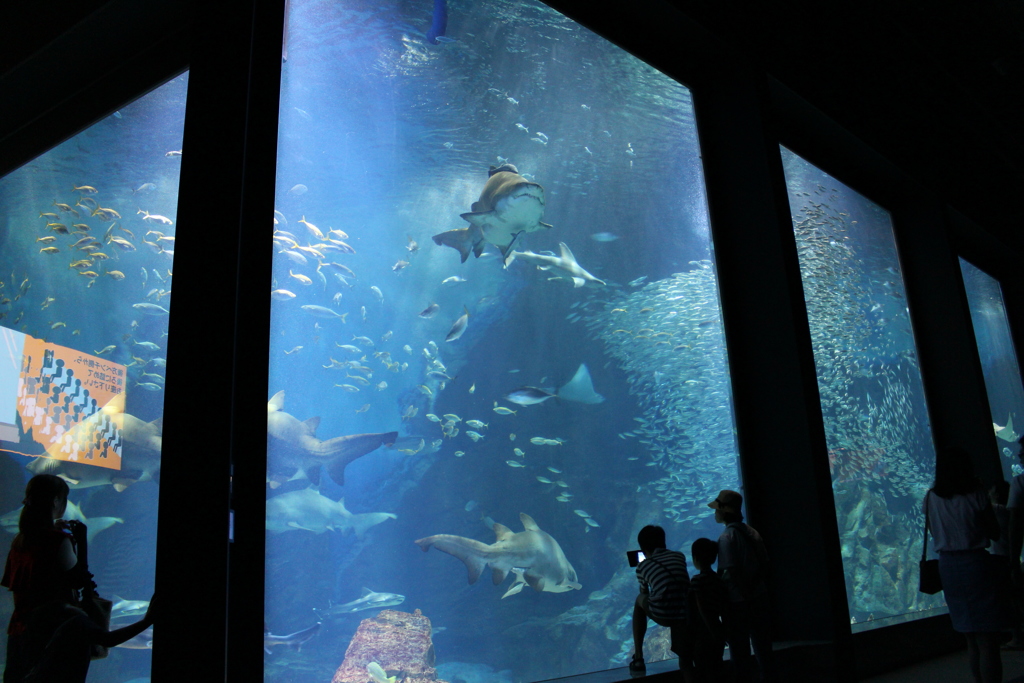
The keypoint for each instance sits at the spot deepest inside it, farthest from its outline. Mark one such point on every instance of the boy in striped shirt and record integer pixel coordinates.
(664, 597)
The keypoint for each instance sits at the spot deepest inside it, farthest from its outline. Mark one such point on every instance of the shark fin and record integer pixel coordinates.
(578, 282)
(366, 591)
(313, 474)
(296, 525)
(566, 253)
(528, 522)
(121, 484)
(470, 551)
(159, 424)
(514, 589)
(463, 240)
(535, 582)
(478, 248)
(502, 531)
(311, 424)
(547, 226)
(498, 575)
(580, 388)
(277, 402)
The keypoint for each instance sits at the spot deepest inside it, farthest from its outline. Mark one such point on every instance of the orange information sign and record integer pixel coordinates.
(72, 403)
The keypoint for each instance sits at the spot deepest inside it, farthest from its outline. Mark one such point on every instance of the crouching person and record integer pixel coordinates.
(664, 597)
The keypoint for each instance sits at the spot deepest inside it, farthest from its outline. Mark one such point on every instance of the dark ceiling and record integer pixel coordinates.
(937, 87)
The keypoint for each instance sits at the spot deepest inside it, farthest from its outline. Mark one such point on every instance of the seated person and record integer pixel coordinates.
(664, 588)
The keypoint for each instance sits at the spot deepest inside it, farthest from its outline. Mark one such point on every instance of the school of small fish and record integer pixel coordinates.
(105, 246)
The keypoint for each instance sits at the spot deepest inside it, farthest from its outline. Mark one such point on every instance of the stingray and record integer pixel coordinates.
(509, 206)
(293, 443)
(579, 389)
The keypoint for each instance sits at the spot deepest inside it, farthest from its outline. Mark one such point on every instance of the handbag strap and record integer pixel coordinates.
(924, 546)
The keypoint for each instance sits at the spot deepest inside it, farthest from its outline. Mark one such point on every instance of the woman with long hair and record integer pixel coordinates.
(50, 637)
(963, 524)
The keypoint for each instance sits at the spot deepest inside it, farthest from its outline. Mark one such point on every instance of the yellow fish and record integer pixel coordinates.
(301, 278)
(49, 250)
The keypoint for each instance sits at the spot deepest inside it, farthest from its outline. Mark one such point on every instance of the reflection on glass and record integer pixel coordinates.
(998, 362)
(87, 234)
(513, 372)
(876, 421)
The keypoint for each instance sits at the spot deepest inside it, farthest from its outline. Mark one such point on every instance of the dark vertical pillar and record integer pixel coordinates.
(953, 380)
(781, 434)
(211, 591)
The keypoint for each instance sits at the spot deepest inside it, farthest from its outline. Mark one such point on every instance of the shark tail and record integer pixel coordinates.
(464, 240)
(345, 449)
(473, 553)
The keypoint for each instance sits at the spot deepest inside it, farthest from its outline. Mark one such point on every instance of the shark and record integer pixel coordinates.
(564, 262)
(579, 389)
(367, 600)
(143, 641)
(140, 455)
(308, 510)
(509, 206)
(543, 565)
(128, 608)
(292, 443)
(94, 525)
(293, 640)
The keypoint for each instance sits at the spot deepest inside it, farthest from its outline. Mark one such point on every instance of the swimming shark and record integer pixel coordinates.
(140, 450)
(293, 443)
(94, 524)
(293, 640)
(128, 608)
(367, 600)
(544, 565)
(564, 262)
(143, 641)
(509, 206)
(308, 510)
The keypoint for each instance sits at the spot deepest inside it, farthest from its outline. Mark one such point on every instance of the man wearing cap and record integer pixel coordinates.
(743, 566)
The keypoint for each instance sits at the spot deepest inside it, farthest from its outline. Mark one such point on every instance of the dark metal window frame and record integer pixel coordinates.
(212, 591)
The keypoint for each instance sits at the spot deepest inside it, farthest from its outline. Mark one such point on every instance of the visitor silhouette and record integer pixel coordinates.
(743, 566)
(975, 584)
(664, 595)
(51, 637)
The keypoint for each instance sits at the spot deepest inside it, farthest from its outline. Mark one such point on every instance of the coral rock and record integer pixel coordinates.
(400, 642)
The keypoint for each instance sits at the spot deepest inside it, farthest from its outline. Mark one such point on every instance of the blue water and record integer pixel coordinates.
(881, 455)
(123, 156)
(388, 139)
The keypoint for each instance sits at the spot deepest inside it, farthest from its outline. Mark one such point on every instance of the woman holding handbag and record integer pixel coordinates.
(962, 524)
(50, 636)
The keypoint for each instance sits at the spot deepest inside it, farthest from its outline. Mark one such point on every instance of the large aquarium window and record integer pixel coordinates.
(998, 362)
(496, 344)
(86, 263)
(880, 449)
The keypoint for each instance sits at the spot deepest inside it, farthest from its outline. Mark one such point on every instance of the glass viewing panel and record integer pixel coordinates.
(522, 422)
(880, 448)
(998, 363)
(86, 255)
